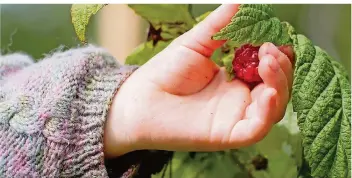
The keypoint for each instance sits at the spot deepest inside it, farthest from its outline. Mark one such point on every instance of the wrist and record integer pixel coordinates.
(127, 127)
(117, 140)
(118, 137)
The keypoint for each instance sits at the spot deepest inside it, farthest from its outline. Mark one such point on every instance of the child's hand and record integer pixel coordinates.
(180, 100)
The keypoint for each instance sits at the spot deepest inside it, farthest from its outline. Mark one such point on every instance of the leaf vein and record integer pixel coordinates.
(310, 67)
(249, 26)
(258, 10)
(317, 99)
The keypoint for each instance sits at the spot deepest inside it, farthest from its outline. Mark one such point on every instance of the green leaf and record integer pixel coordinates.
(165, 13)
(217, 57)
(290, 120)
(145, 51)
(203, 16)
(255, 24)
(80, 16)
(322, 99)
(304, 171)
(171, 31)
(290, 123)
(227, 60)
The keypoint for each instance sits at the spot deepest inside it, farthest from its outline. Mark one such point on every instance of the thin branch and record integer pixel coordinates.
(164, 171)
(170, 172)
(241, 165)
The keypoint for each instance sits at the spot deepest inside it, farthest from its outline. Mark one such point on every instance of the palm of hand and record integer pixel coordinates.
(191, 106)
(180, 100)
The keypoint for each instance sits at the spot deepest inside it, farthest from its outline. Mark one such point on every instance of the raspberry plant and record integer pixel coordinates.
(313, 140)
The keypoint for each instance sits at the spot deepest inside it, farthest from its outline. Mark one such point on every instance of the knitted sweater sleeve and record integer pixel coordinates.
(52, 113)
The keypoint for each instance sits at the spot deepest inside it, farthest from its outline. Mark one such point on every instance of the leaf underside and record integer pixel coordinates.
(167, 21)
(227, 60)
(203, 16)
(157, 14)
(321, 97)
(254, 24)
(144, 52)
(80, 16)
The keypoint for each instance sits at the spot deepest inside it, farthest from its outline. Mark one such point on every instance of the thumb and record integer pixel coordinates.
(199, 38)
(184, 67)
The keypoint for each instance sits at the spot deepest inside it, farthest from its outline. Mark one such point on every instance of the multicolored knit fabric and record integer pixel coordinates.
(52, 113)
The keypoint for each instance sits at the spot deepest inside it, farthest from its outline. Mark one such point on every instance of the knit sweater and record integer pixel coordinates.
(52, 112)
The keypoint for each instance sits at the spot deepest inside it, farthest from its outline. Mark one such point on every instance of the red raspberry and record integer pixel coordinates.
(245, 64)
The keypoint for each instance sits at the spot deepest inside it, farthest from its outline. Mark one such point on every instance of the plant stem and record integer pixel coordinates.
(170, 171)
(241, 165)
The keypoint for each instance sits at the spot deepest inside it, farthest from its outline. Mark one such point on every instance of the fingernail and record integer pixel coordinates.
(272, 46)
(273, 64)
(269, 47)
(266, 48)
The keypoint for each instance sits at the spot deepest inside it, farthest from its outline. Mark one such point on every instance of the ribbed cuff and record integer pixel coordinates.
(86, 158)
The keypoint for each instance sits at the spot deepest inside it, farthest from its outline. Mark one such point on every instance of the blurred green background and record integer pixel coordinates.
(38, 29)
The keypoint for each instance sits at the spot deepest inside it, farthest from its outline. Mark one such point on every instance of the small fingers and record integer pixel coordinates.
(258, 120)
(283, 55)
(273, 76)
